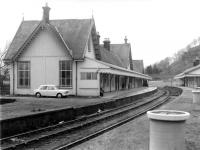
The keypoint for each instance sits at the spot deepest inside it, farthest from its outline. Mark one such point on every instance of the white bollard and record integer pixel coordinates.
(167, 129)
(196, 96)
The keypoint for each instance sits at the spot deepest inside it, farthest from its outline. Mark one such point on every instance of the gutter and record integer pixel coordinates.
(81, 60)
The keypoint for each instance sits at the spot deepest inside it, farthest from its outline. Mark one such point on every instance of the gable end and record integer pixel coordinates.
(34, 34)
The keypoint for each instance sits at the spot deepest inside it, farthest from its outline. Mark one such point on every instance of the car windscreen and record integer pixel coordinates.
(43, 87)
(57, 87)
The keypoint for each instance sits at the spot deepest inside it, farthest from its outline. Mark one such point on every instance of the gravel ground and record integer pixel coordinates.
(135, 134)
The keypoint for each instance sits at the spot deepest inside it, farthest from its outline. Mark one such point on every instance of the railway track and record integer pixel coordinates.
(69, 134)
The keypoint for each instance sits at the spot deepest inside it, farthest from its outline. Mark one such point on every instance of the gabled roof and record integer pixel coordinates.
(74, 32)
(24, 31)
(123, 51)
(138, 66)
(121, 54)
(110, 57)
(186, 72)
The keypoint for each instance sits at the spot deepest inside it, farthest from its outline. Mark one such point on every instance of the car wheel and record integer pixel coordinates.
(38, 94)
(59, 95)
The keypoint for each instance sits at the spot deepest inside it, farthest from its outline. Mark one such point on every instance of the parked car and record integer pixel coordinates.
(50, 90)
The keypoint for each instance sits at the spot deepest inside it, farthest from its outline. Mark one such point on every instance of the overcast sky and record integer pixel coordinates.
(155, 28)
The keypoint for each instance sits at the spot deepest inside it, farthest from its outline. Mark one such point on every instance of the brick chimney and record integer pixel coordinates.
(46, 10)
(196, 61)
(106, 44)
(125, 40)
(98, 38)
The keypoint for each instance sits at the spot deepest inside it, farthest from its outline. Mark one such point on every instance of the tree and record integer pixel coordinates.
(155, 69)
(148, 69)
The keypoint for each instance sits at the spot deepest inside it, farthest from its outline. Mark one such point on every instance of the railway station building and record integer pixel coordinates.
(68, 53)
(191, 76)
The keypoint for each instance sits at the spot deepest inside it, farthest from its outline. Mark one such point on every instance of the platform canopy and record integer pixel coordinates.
(191, 72)
(123, 73)
(113, 69)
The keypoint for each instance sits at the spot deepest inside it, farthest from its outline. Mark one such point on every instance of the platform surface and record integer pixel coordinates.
(30, 105)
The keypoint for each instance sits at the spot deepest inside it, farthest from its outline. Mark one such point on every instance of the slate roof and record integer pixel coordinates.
(191, 69)
(110, 57)
(75, 33)
(24, 31)
(138, 66)
(123, 51)
(186, 72)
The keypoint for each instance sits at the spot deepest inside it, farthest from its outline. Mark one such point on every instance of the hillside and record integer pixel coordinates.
(171, 66)
(185, 61)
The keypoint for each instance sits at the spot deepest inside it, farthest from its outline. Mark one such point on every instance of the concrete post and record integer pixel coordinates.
(196, 95)
(167, 129)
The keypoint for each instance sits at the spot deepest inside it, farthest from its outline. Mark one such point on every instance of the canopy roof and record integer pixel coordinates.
(187, 73)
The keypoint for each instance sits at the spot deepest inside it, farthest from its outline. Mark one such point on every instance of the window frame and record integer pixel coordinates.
(70, 71)
(85, 75)
(29, 75)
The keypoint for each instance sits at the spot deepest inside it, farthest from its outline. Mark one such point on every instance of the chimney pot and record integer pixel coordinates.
(196, 61)
(125, 40)
(98, 38)
(106, 44)
(46, 10)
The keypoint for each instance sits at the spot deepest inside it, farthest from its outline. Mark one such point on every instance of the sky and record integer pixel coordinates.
(156, 29)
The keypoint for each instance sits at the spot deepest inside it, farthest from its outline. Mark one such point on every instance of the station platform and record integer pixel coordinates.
(30, 105)
(135, 134)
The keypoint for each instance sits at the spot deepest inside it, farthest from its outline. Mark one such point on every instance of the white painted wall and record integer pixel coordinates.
(44, 54)
(88, 87)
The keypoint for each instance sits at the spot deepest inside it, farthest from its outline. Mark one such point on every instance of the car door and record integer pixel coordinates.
(43, 90)
(51, 91)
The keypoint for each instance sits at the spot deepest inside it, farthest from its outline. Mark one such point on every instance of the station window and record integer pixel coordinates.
(23, 74)
(88, 76)
(65, 73)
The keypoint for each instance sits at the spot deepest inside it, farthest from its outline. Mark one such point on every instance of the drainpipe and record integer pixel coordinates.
(99, 82)
(110, 81)
(76, 78)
